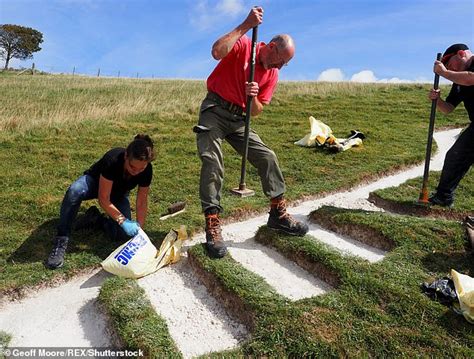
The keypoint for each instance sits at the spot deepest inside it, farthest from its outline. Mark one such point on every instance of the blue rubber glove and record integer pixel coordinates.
(130, 227)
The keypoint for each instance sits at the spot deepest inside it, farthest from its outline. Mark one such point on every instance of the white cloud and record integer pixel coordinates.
(204, 15)
(365, 76)
(395, 80)
(230, 7)
(331, 75)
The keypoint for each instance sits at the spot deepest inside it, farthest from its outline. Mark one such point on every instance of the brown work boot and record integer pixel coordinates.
(281, 220)
(214, 242)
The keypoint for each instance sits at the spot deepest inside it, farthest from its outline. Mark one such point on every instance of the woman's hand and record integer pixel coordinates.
(130, 227)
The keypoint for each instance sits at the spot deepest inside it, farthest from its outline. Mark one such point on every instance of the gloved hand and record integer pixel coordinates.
(130, 227)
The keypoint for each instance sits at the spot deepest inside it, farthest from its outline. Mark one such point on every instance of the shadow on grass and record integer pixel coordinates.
(39, 244)
(414, 208)
(444, 262)
(26, 266)
(456, 324)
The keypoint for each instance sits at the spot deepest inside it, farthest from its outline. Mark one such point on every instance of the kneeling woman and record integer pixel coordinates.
(110, 180)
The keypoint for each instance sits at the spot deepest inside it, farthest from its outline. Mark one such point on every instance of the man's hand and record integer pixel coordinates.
(224, 44)
(439, 68)
(434, 94)
(254, 18)
(251, 89)
(130, 227)
(443, 106)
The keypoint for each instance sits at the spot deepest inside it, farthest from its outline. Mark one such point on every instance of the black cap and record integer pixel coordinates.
(451, 51)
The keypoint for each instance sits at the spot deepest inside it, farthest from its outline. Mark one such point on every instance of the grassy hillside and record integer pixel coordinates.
(55, 127)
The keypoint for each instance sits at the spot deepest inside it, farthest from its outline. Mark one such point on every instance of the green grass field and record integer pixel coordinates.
(52, 128)
(55, 127)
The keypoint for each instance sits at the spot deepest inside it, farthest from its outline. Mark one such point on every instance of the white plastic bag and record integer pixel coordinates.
(139, 257)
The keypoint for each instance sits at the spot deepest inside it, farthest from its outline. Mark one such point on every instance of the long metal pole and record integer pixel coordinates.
(242, 185)
(424, 189)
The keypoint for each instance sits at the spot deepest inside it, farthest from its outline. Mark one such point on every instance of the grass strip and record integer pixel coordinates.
(426, 234)
(271, 315)
(5, 339)
(361, 233)
(245, 294)
(317, 258)
(135, 320)
(403, 199)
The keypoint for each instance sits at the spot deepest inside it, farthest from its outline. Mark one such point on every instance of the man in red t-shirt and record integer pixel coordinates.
(221, 117)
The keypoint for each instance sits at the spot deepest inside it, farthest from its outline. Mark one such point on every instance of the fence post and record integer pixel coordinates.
(33, 68)
(73, 71)
(98, 72)
(137, 75)
(118, 74)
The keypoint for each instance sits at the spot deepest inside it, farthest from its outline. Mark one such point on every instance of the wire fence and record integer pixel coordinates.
(84, 71)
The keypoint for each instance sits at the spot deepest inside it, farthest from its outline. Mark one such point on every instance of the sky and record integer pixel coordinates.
(336, 40)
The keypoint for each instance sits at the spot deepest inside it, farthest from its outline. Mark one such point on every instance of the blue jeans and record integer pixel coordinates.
(459, 159)
(83, 189)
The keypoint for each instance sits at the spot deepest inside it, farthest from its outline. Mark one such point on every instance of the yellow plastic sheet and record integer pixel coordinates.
(139, 257)
(465, 290)
(321, 134)
(318, 135)
(170, 249)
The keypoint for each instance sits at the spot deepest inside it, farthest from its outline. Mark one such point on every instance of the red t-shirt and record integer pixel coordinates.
(229, 77)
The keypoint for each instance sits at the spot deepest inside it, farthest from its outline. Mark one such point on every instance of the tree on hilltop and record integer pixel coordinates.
(18, 42)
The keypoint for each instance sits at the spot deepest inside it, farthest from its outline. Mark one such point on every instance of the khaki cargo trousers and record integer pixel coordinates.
(217, 124)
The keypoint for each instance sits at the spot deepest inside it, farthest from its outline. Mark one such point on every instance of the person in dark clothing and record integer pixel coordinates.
(109, 180)
(456, 65)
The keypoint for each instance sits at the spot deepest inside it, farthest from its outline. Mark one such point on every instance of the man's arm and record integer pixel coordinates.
(443, 106)
(257, 106)
(465, 78)
(224, 44)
